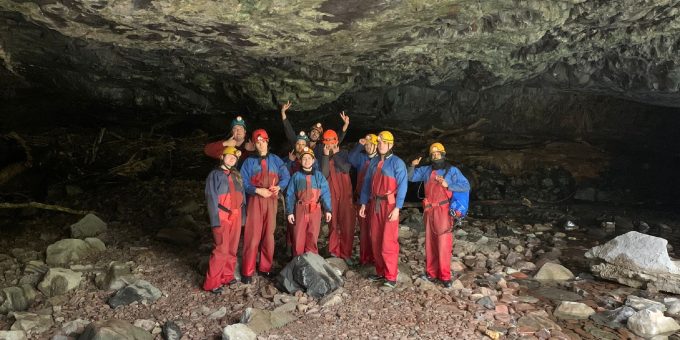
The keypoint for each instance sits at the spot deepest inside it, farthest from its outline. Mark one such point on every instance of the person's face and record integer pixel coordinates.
(334, 147)
(229, 160)
(261, 145)
(307, 161)
(435, 156)
(370, 148)
(314, 134)
(383, 147)
(300, 145)
(238, 132)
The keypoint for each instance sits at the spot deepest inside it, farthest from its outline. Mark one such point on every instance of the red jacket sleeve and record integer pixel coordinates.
(214, 150)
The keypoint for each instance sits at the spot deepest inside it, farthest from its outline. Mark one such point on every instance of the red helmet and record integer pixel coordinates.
(260, 133)
(330, 137)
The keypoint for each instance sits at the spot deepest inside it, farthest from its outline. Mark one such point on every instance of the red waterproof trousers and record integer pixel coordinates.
(438, 224)
(384, 233)
(341, 227)
(258, 235)
(365, 249)
(226, 238)
(307, 220)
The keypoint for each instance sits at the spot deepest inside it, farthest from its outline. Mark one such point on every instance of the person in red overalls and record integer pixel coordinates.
(224, 197)
(360, 157)
(446, 198)
(307, 191)
(384, 191)
(335, 167)
(237, 140)
(264, 175)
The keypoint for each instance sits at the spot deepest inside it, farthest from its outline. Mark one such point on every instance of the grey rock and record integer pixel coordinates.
(114, 330)
(338, 263)
(537, 320)
(486, 302)
(614, 319)
(138, 291)
(117, 276)
(556, 294)
(16, 298)
(218, 314)
(75, 327)
(553, 272)
(66, 251)
(311, 273)
(88, 226)
(238, 331)
(649, 322)
(259, 320)
(145, 324)
(31, 322)
(171, 331)
(25, 255)
(672, 306)
(58, 281)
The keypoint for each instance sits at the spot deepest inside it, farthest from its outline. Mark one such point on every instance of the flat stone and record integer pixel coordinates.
(75, 327)
(31, 322)
(573, 311)
(114, 329)
(218, 314)
(138, 291)
(259, 320)
(556, 294)
(536, 321)
(639, 303)
(13, 335)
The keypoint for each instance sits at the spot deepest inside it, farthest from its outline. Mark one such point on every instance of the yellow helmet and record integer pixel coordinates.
(437, 147)
(306, 151)
(386, 136)
(230, 150)
(371, 138)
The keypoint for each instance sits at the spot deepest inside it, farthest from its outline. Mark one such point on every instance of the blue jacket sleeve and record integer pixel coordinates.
(247, 173)
(457, 182)
(325, 192)
(354, 156)
(212, 186)
(402, 181)
(366, 187)
(419, 174)
(284, 174)
(290, 197)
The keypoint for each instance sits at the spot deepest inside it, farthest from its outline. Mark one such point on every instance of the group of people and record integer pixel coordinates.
(316, 183)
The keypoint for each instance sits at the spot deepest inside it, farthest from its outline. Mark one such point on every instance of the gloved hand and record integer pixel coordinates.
(455, 213)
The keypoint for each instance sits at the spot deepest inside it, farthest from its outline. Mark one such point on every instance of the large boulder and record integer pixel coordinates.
(311, 273)
(138, 291)
(114, 330)
(13, 335)
(67, 251)
(58, 281)
(88, 226)
(260, 320)
(16, 298)
(637, 260)
(648, 323)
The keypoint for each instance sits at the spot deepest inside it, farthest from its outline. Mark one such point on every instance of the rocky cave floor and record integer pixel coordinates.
(156, 227)
(415, 309)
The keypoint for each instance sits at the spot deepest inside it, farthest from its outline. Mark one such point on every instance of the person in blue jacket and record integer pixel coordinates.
(224, 198)
(383, 192)
(307, 191)
(264, 176)
(360, 158)
(447, 194)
